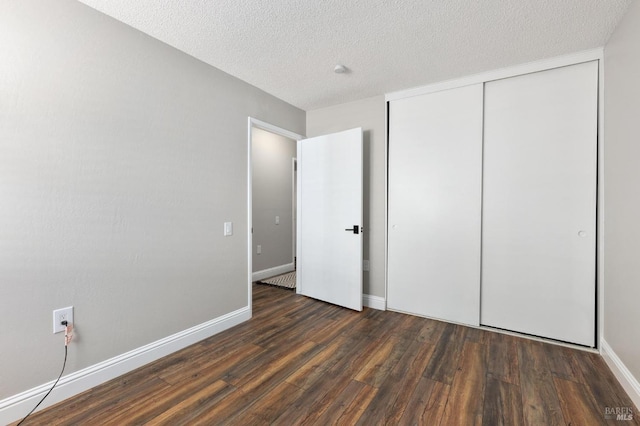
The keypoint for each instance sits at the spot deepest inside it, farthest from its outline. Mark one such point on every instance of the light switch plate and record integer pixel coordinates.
(228, 229)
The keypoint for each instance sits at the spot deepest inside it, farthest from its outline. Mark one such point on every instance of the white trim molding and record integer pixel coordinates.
(511, 71)
(272, 272)
(622, 373)
(17, 406)
(274, 129)
(374, 302)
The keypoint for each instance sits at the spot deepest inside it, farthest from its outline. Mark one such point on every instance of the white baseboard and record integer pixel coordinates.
(374, 302)
(17, 406)
(622, 373)
(271, 272)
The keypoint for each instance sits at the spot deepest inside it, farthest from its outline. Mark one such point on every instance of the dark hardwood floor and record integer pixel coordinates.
(300, 361)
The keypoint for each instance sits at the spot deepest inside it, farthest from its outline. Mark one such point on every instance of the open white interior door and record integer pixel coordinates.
(329, 237)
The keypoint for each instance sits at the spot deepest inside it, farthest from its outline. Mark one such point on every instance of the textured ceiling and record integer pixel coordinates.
(290, 47)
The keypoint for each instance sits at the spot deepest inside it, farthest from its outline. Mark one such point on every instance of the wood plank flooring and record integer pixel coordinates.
(303, 362)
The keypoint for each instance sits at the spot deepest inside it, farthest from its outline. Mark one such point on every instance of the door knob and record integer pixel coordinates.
(355, 229)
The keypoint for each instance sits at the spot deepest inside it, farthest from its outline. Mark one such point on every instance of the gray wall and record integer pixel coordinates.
(622, 197)
(120, 159)
(272, 184)
(370, 114)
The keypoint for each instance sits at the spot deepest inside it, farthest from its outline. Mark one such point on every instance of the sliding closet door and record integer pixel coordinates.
(539, 203)
(435, 170)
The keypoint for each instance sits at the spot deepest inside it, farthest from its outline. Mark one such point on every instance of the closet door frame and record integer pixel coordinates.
(560, 61)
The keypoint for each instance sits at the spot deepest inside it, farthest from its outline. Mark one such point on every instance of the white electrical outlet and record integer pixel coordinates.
(365, 265)
(277, 220)
(59, 315)
(259, 251)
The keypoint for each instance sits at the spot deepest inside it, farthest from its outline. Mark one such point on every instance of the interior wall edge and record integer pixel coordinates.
(600, 209)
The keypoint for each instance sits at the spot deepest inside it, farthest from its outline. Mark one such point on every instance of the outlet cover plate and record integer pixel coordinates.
(59, 315)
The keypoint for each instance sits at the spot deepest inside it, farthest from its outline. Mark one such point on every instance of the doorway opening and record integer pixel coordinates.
(271, 200)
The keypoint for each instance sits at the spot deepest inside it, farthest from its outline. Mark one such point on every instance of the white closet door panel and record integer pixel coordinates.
(435, 170)
(539, 203)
